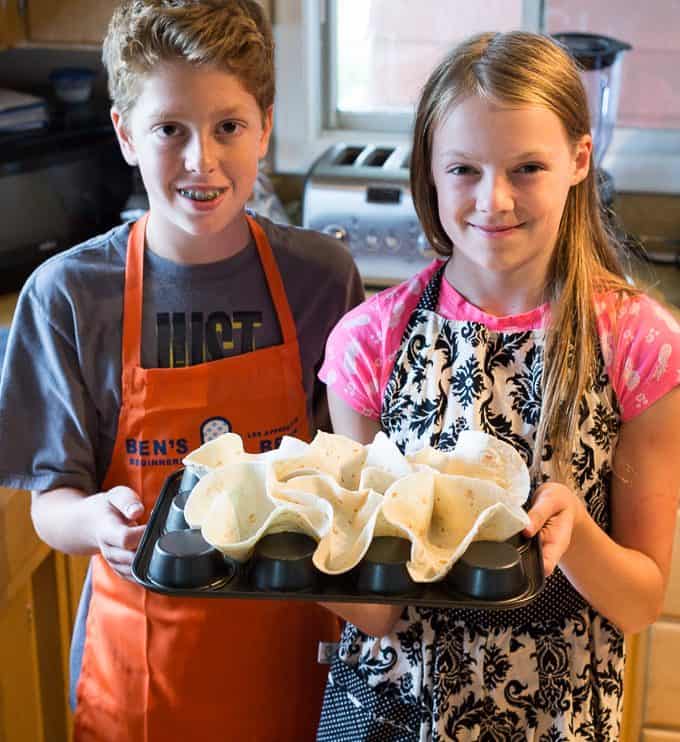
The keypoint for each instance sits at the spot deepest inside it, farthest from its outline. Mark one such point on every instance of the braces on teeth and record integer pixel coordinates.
(200, 195)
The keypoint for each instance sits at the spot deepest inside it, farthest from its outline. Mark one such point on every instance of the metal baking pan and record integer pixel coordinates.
(175, 560)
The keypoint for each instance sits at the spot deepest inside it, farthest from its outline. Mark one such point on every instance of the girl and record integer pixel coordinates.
(528, 330)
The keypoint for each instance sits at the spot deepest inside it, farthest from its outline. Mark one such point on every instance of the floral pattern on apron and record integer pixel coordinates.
(551, 671)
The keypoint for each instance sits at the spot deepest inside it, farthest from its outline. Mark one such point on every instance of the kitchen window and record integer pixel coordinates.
(350, 71)
(380, 53)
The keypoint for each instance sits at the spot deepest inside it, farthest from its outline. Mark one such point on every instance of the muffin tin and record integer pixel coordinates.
(175, 560)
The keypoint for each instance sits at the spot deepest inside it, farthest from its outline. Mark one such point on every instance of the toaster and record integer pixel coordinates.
(360, 194)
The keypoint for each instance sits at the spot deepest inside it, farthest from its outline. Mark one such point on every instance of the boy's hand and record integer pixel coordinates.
(116, 531)
(554, 512)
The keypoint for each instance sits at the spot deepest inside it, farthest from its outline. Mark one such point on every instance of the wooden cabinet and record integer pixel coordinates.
(61, 22)
(21, 554)
(20, 711)
(659, 736)
(39, 590)
(653, 690)
(70, 22)
(11, 24)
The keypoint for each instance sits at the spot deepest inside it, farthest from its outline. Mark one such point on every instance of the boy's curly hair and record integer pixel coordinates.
(234, 35)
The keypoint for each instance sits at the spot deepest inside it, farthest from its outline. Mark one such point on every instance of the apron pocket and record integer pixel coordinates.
(353, 712)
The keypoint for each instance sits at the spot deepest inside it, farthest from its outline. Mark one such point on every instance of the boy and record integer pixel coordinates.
(141, 340)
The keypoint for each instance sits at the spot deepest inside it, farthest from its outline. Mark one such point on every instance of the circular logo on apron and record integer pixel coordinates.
(213, 428)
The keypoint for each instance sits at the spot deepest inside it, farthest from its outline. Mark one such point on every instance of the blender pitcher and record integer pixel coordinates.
(600, 60)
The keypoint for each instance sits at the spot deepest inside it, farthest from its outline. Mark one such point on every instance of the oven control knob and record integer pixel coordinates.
(337, 231)
(392, 243)
(372, 241)
(424, 249)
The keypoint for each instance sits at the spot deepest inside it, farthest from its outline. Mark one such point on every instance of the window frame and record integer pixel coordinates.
(306, 122)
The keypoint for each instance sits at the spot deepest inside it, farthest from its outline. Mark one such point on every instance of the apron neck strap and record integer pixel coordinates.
(274, 281)
(429, 299)
(133, 295)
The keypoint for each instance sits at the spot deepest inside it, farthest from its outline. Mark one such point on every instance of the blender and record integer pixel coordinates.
(600, 60)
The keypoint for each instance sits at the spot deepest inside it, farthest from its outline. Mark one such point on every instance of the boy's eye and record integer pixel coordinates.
(167, 130)
(529, 168)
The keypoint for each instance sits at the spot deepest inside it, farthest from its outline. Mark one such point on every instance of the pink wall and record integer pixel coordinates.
(405, 41)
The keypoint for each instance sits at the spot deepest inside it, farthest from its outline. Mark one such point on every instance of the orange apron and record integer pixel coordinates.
(159, 668)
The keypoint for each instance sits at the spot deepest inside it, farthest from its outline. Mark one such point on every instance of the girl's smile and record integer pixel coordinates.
(494, 231)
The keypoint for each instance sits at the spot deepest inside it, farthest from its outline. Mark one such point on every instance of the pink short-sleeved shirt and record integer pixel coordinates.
(640, 343)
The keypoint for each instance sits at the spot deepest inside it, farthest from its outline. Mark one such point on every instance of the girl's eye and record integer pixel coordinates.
(530, 168)
(229, 127)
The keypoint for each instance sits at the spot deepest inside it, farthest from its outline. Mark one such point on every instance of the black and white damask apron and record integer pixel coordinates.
(548, 672)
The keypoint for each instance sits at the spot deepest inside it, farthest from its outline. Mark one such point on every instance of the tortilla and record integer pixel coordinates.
(228, 448)
(384, 454)
(353, 513)
(442, 514)
(481, 456)
(335, 455)
(344, 494)
(233, 509)
(218, 452)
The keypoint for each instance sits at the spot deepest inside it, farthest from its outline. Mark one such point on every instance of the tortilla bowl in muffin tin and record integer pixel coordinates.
(174, 559)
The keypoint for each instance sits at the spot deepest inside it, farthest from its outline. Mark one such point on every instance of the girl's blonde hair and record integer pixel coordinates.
(525, 69)
(232, 34)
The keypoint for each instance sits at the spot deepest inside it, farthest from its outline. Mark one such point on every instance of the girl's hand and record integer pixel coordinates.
(114, 515)
(555, 511)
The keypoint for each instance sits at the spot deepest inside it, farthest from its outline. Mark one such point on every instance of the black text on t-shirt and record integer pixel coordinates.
(189, 339)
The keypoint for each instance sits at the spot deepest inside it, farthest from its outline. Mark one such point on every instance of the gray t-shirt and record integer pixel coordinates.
(60, 390)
